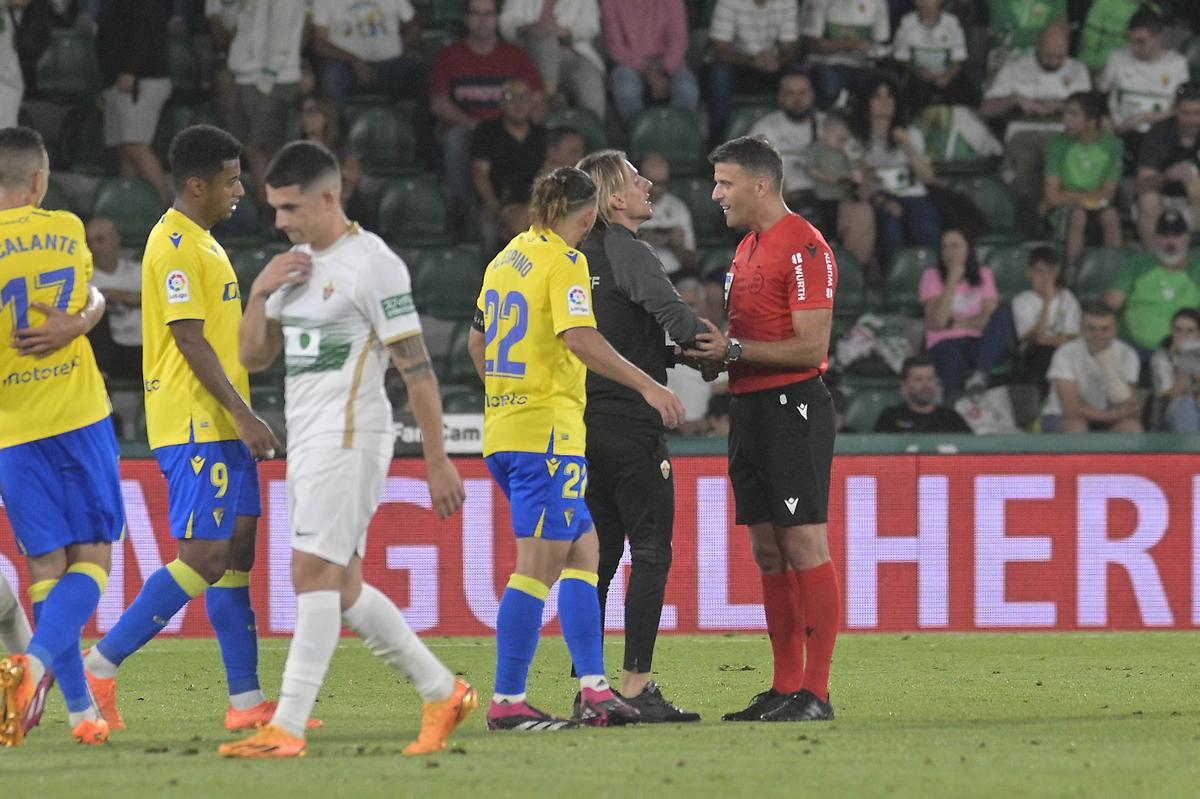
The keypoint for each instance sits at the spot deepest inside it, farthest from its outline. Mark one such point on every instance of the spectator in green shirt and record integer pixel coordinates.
(1154, 285)
(1104, 30)
(1083, 169)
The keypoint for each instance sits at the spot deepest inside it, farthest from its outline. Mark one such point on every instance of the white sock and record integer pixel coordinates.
(247, 699)
(509, 699)
(74, 719)
(318, 626)
(387, 635)
(99, 666)
(595, 682)
(15, 632)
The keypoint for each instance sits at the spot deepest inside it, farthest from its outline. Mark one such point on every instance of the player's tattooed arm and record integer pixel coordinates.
(412, 359)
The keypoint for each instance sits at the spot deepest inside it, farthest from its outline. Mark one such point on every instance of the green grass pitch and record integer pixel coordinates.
(1057, 715)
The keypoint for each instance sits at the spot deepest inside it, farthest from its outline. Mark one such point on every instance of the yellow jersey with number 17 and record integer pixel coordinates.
(44, 258)
(186, 275)
(534, 386)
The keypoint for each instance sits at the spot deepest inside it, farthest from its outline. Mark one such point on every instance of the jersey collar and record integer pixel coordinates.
(180, 219)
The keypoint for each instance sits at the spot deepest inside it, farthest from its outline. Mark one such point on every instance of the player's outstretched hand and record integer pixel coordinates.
(445, 487)
(284, 269)
(667, 403)
(256, 434)
(59, 330)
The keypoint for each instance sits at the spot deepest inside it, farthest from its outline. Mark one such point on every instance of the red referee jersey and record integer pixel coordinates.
(788, 267)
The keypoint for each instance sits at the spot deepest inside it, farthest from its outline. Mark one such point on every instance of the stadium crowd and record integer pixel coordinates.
(1012, 186)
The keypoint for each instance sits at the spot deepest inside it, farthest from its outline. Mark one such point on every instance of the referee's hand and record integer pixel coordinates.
(669, 406)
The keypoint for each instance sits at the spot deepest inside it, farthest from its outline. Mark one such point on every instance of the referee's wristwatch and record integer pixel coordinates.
(733, 350)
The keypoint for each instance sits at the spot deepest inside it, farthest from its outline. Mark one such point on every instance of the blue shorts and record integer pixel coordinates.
(208, 486)
(545, 492)
(64, 490)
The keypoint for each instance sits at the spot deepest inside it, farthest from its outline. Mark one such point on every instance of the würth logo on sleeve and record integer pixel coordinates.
(828, 276)
(798, 265)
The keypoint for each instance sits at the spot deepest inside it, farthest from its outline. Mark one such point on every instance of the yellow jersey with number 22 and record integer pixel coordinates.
(534, 386)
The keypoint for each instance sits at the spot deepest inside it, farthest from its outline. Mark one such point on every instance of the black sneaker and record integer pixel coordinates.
(524, 717)
(656, 709)
(760, 704)
(604, 709)
(801, 706)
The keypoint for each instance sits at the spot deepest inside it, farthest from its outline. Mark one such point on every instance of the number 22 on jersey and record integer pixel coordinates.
(510, 312)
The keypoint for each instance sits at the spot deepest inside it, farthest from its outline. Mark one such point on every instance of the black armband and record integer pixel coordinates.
(669, 355)
(477, 321)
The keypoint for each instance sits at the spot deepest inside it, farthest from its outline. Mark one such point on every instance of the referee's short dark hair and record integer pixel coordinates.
(201, 151)
(22, 152)
(301, 163)
(754, 154)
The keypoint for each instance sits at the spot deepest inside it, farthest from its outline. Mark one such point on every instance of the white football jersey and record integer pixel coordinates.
(336, 328)
(1140, 87)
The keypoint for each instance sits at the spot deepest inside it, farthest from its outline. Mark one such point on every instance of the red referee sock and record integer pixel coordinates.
(780, 599)
(823, 615)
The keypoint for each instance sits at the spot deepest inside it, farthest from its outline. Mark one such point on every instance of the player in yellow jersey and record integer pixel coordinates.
(58, 452)
(532, 341)
(201, 429)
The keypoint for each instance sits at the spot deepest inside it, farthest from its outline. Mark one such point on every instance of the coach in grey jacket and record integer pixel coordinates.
(631, 490)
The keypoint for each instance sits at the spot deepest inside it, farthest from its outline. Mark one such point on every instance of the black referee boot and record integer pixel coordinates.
(657, 709)
(801, 706)
(760, 704)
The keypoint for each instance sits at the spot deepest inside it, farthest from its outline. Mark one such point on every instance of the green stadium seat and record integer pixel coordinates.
(864, 407)
(56, 198)
(174, 118)
(1097, 270)
(904, 278)
(133, 205)
(248, 262)
(459, 368)
(993, 198)
(446, 282)
(182, 68)
(463, 400)
(583, 120)
(1008, 267)
(1191, 51)
(412, 212)
(68, 70)
(708, 221)
(447, 14)
(851, 298)
(714, 263)
(383, 138)
(82, 143)
(743, 117)
(433, 41)
(674, 132)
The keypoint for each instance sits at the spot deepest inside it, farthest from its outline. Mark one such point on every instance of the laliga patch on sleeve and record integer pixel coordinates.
(577, 302)
(397, 305)
(178, 289)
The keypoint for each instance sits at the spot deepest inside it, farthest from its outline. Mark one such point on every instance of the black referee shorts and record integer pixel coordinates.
(781, 454)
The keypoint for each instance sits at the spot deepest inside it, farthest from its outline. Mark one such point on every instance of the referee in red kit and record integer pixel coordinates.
(779, 297)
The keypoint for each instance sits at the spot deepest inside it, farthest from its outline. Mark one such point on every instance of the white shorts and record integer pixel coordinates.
(130, 122)
(332, 496)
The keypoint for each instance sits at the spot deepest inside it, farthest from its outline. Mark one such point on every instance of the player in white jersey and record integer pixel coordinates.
(338, 305)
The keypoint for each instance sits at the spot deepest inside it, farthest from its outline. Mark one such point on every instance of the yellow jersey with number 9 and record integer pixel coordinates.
(187, 275)
(44, 258)
(534, 386)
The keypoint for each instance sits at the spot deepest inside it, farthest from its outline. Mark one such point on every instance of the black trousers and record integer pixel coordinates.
(631, 493)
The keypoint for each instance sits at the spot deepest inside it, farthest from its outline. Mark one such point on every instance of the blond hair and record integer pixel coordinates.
(607, 169)
(558, 195)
